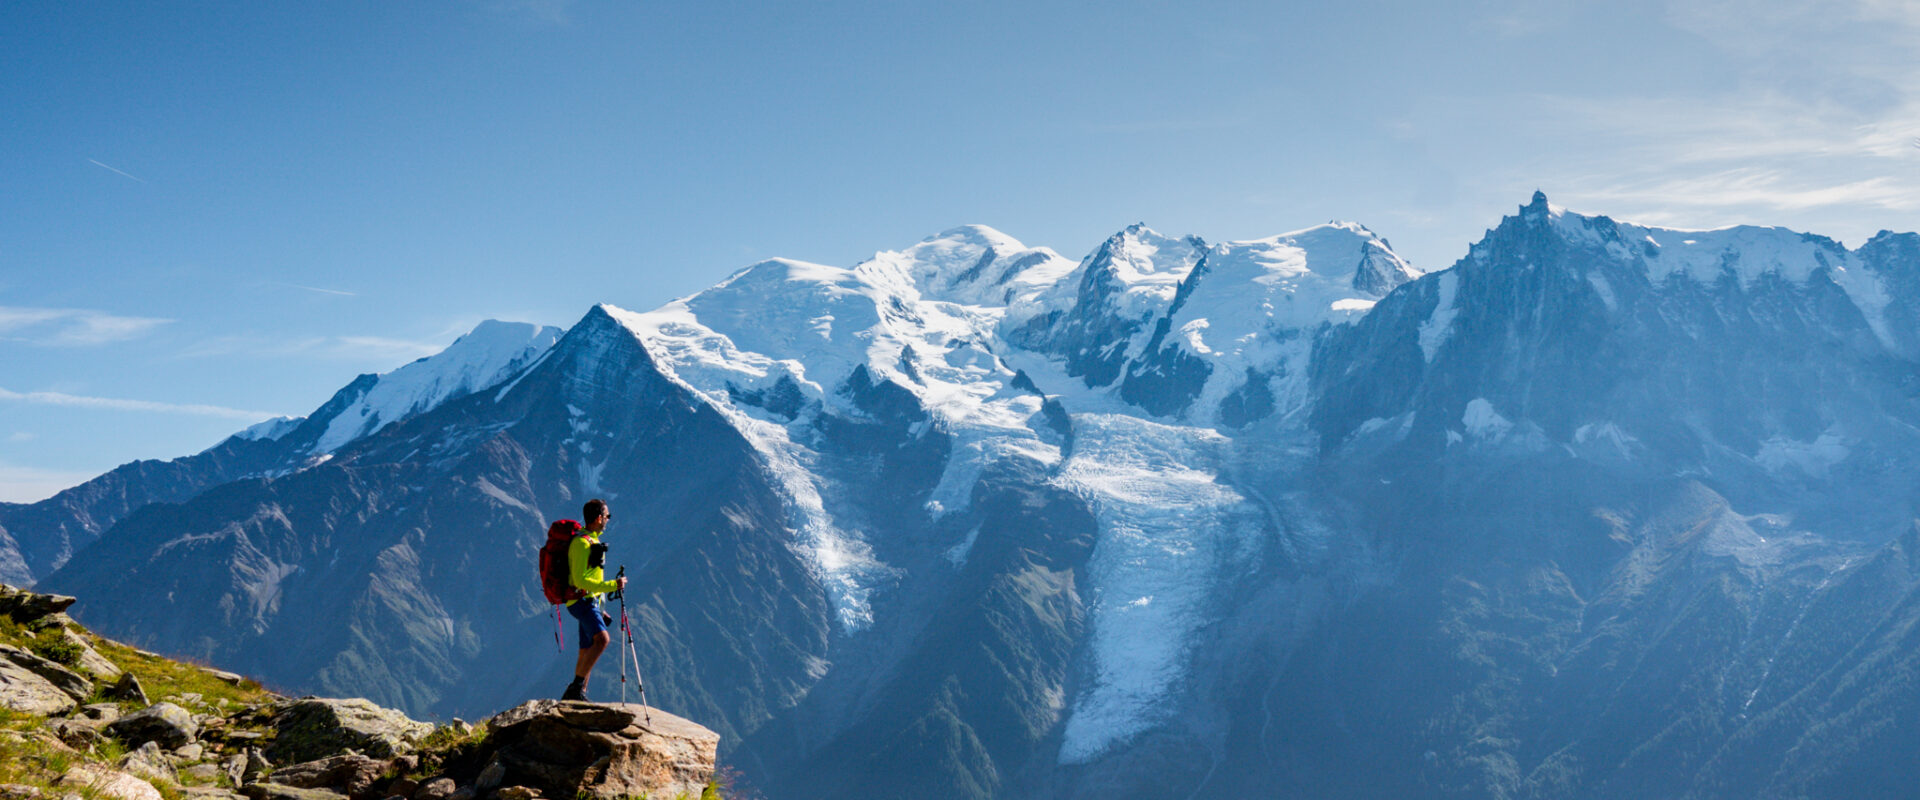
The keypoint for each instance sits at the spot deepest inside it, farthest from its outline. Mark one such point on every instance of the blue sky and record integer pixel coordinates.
(211, 212)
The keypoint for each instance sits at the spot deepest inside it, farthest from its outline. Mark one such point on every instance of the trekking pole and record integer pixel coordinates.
(626, 629)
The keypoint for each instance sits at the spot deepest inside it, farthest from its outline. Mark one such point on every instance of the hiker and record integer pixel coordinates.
(586, 556)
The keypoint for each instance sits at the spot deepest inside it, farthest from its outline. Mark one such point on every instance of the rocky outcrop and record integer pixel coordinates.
(25, 606)
(312, 728)
(355, 775)
(67, 680)
(165, 723)
(604, 751)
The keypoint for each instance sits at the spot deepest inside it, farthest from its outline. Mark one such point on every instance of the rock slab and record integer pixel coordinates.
(108, 783)
(313, 728)
(352, 773)
(22, 690)
(602, 751)
(170, 725)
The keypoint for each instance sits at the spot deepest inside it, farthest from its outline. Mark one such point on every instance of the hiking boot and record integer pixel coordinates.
(577, 690)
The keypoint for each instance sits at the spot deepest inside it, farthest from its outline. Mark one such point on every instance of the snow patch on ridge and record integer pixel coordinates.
(489, 354)
(1814, 459)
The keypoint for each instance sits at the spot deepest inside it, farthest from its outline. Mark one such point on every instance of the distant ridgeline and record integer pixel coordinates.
(1600, 510)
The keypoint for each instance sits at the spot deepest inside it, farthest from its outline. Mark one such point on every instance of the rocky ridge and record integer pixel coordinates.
(78, 722)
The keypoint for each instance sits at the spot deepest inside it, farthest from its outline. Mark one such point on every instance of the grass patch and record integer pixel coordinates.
(162, 676)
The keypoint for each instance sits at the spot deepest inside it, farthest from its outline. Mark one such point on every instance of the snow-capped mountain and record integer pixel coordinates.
(63, 524)
(1602, 509)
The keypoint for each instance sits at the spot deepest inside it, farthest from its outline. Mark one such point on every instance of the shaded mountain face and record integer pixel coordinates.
(1602, 510)
(52, 530)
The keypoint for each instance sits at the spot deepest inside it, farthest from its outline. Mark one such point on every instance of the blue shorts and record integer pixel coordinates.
(593, 621)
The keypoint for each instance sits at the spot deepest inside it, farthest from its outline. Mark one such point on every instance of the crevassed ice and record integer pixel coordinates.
(1439, 325)
(1168, 530)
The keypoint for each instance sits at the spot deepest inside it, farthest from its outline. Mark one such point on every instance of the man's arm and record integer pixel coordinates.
(583, 576)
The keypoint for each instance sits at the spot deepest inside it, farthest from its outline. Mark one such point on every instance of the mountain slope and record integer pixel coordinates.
(1599, 511)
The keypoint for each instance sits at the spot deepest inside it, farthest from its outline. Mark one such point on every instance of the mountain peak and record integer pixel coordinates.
(488, 354)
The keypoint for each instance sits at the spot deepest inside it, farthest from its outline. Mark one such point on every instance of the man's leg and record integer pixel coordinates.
(593, 640)
(583, 666)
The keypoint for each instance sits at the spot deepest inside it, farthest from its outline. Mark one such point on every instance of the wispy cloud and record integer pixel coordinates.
(342, 348)
(116, 171)
(72, 326)
(20, 484)
(123, 404)
(315, 289)
(1764, 188)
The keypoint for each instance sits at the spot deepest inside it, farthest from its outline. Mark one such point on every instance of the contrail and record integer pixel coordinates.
(118, 171)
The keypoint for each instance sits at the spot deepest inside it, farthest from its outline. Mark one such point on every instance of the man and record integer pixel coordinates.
(586, 560)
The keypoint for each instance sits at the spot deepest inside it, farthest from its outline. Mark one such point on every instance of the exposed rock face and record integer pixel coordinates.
(166, 723)
(351, 772)
(274, 791)
(22, 690)
(605, 751)
(25, 606)
(108, 783)
(148, 762)
(313, 728)
(70, 682)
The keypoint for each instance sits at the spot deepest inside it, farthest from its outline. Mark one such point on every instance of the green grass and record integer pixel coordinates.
(162, 677)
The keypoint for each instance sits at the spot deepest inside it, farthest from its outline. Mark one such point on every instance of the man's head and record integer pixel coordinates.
(596, 514)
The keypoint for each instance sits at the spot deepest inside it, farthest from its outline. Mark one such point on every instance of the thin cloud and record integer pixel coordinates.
(78, 327)
(123, 404)
(117, 171)
(316, 289)
(399, 348)
(1772, 189)
(341, 348)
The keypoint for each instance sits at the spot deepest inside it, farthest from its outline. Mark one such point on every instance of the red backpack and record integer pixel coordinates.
(556, 577)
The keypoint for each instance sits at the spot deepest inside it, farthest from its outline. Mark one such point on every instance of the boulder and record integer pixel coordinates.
(166, 723)
(20, 791)
(602, 751)
(190, 752)
(235, 768)
(91, 662)
(103, 782)
(257, 765)
(313, 728)
(351, 774)
(436, 789)
(69, 681)
(79, 734)
(148, 762)
(515, 793)
(129, 688)
(100, 712)
(202, 773)
(207, 793)
(22, 690)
